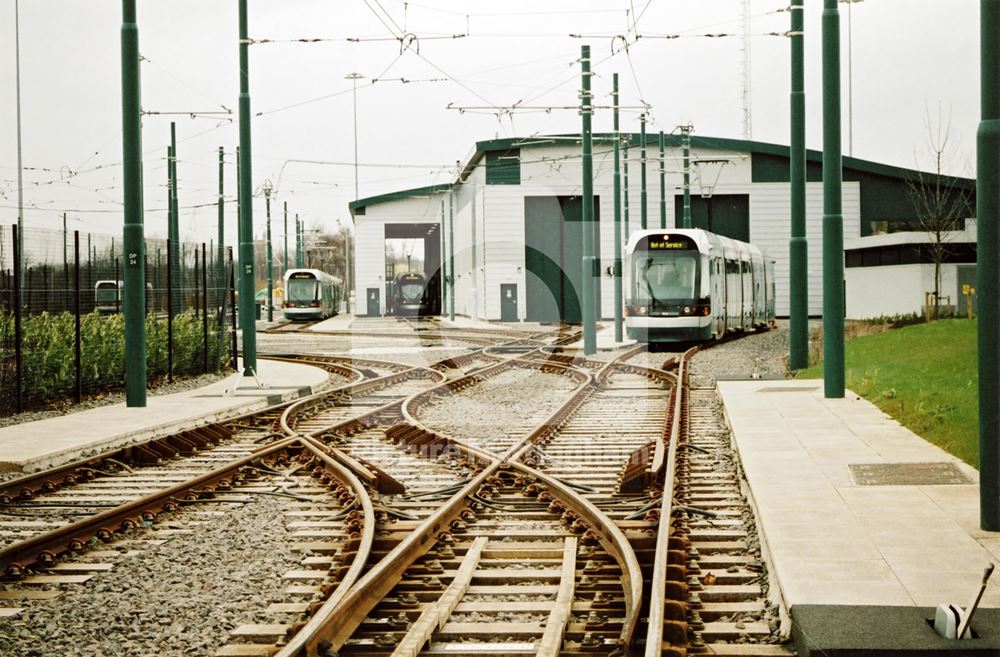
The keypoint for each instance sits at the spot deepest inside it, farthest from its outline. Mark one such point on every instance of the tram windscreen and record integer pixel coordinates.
(302, 290)
(411, 291)
(662, 277)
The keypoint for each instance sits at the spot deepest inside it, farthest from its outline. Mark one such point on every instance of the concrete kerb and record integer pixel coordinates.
(775, 592)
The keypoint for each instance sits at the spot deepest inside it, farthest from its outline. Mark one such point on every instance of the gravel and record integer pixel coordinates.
(764, 353)
(179, 599)
(494, 413)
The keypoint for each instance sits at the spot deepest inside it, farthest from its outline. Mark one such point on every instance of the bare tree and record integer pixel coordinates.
(941, 202)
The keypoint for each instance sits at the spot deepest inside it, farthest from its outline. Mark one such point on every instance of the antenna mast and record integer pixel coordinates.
(745, 51)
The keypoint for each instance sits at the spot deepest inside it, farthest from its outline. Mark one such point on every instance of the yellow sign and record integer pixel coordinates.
(966, 289)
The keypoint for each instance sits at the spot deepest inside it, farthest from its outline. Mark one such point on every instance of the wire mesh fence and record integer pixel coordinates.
(62, 324)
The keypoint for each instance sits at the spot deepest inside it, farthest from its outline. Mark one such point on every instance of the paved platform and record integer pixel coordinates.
(35, 445)
(339, 322)
(842, 524)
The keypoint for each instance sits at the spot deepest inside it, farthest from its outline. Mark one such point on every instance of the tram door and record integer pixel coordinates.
(508, 302)
(373, 301)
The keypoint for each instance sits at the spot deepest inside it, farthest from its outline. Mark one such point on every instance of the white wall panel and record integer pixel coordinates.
(770, 229)
(369, 262)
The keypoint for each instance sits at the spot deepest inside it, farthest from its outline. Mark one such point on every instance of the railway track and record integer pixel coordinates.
(517, 532)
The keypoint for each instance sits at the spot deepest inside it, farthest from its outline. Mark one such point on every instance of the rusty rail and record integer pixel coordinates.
(661, 604)
(46, 547)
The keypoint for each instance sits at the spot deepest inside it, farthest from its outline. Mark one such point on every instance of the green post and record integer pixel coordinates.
(220, 267)
(618, 215)
(686, 146)
(451, 252)
(286, 236)
(247, 322)
(798, 288)
(444, 263)
(988, 265)
(663, 182)
(589, 326)
(643, 206)
(833, 219)
(270, 272)
(173, 228)
(625, 193)
(134, 240)
(300, 243)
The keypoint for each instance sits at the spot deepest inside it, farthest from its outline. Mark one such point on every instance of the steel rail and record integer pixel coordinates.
(349, 361)
(361, 556)
(46, 547)
(329, 630)
(409, 335)
(352, 374)
(444, 440)
(612, 539)
(361, 386)
(69, 474)
(658, 582)
(609, 535)
(669, 438)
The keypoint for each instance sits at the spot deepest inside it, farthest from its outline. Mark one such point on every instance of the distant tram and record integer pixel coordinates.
(411, 294)
(692, 285)
(311, 294)
(108, 296)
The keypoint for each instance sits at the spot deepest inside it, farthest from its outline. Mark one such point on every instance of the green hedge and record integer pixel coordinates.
(48, 352)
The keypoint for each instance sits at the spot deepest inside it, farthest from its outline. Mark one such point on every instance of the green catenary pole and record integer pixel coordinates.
(618, 215)
(988, 267)
(173, 222)
(135, 276)
(589, 327)
(444, 261)
(798, 288)
(451, 253)
(220, 267)
(686, 146)
(270, 272)
(663, 182)
(833, 219)
(625, 194)
(300, 256)
(247, 322)
(643, 205)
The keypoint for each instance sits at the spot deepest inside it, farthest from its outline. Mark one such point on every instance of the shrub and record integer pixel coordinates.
(48, 352)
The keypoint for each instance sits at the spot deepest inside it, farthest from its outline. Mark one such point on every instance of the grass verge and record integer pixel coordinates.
(925, 376)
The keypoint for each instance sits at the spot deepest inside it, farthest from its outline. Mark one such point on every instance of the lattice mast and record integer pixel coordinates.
(745, 53)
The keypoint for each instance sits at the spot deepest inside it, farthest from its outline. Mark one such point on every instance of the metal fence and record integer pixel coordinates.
(61, 327)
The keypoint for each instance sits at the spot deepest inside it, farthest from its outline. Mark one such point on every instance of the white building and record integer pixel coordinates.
(511, 219)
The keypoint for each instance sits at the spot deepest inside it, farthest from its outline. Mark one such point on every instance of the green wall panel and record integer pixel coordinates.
(503, 167)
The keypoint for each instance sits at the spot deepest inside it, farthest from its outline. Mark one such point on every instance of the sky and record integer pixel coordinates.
(913, 62)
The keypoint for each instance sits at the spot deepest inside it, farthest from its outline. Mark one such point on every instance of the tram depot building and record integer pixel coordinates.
(512, 221)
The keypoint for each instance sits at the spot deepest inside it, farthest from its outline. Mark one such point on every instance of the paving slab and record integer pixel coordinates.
(44, 443)
(861, 537)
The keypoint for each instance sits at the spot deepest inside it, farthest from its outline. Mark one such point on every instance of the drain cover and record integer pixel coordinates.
(908, 474)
